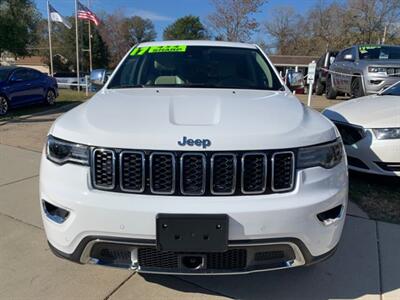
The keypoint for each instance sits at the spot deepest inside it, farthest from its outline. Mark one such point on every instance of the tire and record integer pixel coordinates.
(319, 87)
(357, 89)
(4, 106)
(50, 97)
(330, 92)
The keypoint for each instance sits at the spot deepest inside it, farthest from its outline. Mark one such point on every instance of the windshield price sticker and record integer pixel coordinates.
(364, 49)
(158, 49)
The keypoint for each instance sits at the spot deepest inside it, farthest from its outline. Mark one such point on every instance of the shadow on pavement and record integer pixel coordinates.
(25, 114)
(351, 273)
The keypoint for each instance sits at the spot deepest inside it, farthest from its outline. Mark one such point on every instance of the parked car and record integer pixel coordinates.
(363, 69)
(69, 80)
(321, 72)
(370, 129)
(194, 158)
(24, 86)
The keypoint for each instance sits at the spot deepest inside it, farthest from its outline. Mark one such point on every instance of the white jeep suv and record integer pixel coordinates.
(194, 158)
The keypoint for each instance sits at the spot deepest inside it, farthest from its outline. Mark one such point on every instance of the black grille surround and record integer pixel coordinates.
(191, 173)
(351, 134)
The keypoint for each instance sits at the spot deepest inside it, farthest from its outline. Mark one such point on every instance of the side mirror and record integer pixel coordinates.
(349, 57)
(98, 77)
(295, 80)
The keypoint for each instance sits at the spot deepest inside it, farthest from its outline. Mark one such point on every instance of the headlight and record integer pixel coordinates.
(326, 156)
(62, 152)
(376, 70)
(387, 133)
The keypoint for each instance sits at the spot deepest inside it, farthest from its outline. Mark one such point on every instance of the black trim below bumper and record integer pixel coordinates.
(309, 259)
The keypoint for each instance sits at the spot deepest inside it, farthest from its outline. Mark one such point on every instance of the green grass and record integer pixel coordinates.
(378, 196)
(66, 97)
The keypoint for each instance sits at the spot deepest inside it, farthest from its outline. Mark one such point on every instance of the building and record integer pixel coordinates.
(292, 62)
(34, 62)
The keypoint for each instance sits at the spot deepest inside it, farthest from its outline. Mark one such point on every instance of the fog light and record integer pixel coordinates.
(54, 213)
(375, 81)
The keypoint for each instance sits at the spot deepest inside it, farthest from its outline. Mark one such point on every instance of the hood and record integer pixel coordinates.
(381, 62)
(156, 119)
(369, 112)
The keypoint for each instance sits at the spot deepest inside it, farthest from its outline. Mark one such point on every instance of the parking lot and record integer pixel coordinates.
(366, 264)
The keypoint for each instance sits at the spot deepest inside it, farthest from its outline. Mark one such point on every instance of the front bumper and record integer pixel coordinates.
(242, 257)
(375, 83)
(370, 155)
(289, 218)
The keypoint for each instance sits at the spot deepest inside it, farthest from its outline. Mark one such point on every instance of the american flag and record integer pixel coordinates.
(85, 13)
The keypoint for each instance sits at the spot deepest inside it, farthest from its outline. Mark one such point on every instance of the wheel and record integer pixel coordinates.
(50, 97)
(319, 87)
(3, 106)
(357, 89)
(330, 92)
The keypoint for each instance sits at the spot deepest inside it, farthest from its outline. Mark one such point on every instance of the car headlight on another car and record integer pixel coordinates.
(327, 155)
(376, 70)
(387, 133)
(61, 152)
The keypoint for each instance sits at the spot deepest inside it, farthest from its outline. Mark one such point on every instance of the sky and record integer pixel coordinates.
(163, 12)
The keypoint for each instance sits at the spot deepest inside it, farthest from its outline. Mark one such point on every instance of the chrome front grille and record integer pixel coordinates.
(193, 173)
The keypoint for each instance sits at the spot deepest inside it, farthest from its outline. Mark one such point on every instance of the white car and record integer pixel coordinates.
(370, 129)
(69, 80)
(194, 158)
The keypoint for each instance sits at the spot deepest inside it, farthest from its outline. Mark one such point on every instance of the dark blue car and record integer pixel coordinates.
(24, 86)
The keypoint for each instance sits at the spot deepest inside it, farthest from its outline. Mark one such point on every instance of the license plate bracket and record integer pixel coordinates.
(192, 232)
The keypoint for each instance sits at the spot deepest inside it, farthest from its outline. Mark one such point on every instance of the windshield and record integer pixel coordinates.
(4, 74)
(379, 52)
(394, 90)
(195, 66)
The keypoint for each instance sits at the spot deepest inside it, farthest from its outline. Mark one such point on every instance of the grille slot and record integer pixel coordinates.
(223, 174)
(254, 173)
(103, 169)
(162, 173)
(132, 171)
(282, 171)
(193, 174)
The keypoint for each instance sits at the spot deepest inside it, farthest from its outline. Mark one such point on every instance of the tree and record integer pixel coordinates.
(121, 33)
(113, 31)
(282, 28)
(233, 19)
(139, 30)
(186, 28)
(369, 17)
(18, 24)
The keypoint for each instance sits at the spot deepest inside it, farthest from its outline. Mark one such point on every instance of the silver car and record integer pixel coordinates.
(363, 69)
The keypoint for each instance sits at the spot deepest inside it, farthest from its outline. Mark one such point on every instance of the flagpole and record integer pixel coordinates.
(49, 31)
(90, 43)
(77, 43)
